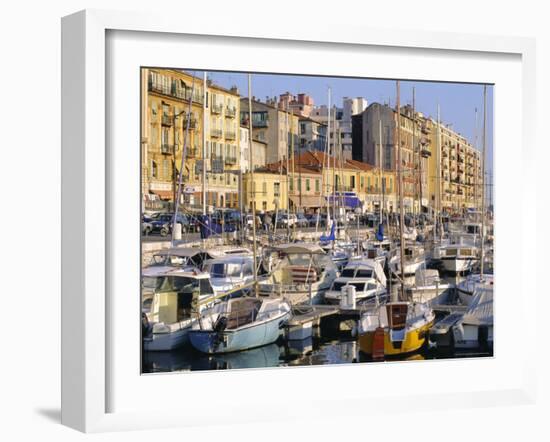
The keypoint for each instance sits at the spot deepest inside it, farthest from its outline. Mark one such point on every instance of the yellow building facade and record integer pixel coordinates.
(213, 130)
(458, 165)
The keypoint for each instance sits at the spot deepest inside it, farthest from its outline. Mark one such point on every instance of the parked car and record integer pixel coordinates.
(146, 226)
(312, 218)
(285, 220)
(301, 220)
(163, 223)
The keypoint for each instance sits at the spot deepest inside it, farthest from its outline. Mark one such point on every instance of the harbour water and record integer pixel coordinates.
(323, 349)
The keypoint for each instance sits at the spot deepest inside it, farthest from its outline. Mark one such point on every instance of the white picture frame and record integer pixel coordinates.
(86, 315)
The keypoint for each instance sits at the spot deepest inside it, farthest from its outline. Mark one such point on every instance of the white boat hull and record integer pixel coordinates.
(458, 265)
(166, 341)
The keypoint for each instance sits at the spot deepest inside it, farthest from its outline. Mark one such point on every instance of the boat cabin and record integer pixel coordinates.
(175, 296)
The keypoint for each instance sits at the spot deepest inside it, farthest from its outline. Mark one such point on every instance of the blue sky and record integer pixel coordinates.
(457, 101)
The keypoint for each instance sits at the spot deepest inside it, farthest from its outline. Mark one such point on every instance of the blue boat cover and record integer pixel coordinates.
(331, 237)
(380, 232)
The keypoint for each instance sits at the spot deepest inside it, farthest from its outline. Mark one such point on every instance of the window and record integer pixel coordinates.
(165, 169)
(276, 188)
(154, 136)
(352, 181)
(165, 135)
(264, 187)
(317, 186)
(308, 187)
(362, 182)
(154, 169)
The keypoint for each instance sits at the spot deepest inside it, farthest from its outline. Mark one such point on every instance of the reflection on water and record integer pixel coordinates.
(312, 351)
(338, 348)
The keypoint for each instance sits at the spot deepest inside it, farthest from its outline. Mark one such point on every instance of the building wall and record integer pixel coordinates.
(267, 188)
(460, 170)
(270, 125)
(167, 95)
(312, 136)
(223, 147)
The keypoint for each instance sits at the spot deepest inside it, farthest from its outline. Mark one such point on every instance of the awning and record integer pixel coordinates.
(307, 201)
(349, 201)
(163, 194)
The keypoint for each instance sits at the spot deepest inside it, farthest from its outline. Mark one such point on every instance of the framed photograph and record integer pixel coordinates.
(287, 216)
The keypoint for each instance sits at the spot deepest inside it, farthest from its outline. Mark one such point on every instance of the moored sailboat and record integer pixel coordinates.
(240, 324)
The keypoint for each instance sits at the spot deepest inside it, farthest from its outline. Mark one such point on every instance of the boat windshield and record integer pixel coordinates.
(223, 270)
(348, 273)
(168, 260)
(360, 286)
(188, 285)
(472, 229)
(364, 273)
(152, 282)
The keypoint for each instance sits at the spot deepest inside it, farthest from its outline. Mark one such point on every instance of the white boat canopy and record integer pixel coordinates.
(300, 248)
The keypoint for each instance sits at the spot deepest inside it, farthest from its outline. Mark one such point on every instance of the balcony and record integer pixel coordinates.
(216, 133)
(230, 135)
(260, 123)
(230, 112)
(230, 160)
(173, 91)
(167, 148)
(425, 153)
(425, 129)
(192, 153)
(167, 120)
(216, 108)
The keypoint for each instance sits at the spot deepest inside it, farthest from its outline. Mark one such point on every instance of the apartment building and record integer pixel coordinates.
(273, 126)
(459, 168)
(166, 95)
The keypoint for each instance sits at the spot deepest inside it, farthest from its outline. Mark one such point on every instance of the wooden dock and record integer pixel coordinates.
(449, 308)
(315, 313)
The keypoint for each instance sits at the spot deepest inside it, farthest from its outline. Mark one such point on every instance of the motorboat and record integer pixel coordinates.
(193, 257)
(414, 258)
(395, 328)
(457, 257)
(171, 303)
(302, 275)
(230, 272)
(428, 287)
(366, 275)
(240, 324)
(475, 328)
(467, 287)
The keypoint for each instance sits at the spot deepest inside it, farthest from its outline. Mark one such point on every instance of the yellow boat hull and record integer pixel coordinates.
(413, 341)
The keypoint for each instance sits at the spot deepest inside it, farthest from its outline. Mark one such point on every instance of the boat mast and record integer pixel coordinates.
(380, 167)
(280, 199)
(415, 162)
(440, 225)
(476, 181)
(328, 160)
(252, 184)
(292, 166)
(287, 176)
(204, 99)
(183, 154)
(400, 171)
(483, 179)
